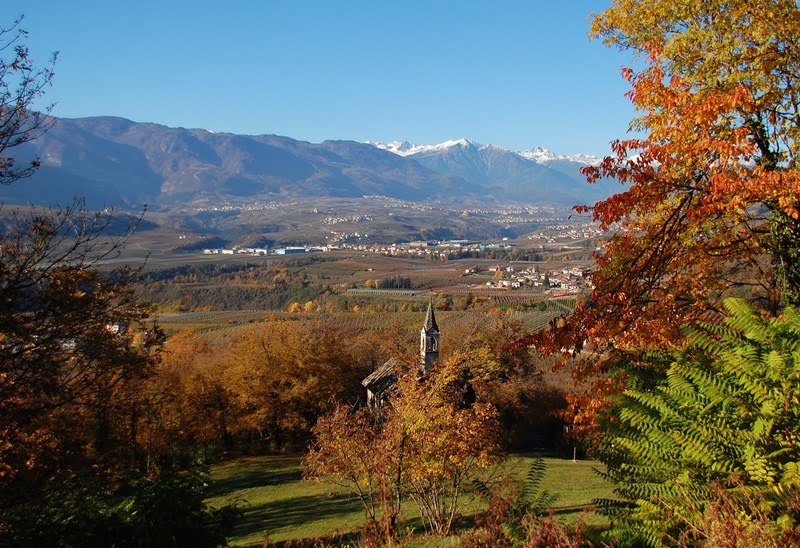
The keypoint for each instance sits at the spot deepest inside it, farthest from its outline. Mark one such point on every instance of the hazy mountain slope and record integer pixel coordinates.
(116, 161)
(113, 161)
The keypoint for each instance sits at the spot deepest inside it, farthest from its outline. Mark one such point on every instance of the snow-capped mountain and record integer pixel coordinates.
(536, 174)
(404, 148)
(540, 155)
(116, 161)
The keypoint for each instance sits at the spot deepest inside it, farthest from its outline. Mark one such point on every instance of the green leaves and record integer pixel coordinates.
(725, 413)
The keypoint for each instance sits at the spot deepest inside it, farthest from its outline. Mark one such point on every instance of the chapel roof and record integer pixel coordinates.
(382, 378)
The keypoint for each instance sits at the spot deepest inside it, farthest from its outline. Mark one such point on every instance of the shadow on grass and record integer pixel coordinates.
(249, 479)
(293, 512)
(576, 509)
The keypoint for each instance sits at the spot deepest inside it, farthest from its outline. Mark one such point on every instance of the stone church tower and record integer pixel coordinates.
(428, 341)
(380, 383)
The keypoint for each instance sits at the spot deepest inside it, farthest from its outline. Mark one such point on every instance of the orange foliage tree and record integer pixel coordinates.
(70, 366)
(711, 206)
(352, 449)
(262, 387)
(190, 405)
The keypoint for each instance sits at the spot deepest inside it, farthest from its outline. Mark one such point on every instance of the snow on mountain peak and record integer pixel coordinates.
(587, 159)
(492, 147)
(540, 155)
(400, 148)
(458, 142)
(404, 148)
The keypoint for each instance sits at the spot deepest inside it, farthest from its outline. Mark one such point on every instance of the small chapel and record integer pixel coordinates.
(379, 383)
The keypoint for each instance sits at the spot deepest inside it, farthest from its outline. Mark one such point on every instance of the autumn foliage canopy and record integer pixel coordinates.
(711, 204)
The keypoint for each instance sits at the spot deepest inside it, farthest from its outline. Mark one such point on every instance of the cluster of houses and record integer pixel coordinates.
(569, 280)
(346, 236)
(559, 233)
(250, 206)
(346, 219)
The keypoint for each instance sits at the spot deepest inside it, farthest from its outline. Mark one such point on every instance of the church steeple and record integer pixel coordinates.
(429, 341)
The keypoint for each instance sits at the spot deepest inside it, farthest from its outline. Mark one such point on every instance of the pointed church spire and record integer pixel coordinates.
(429, 341)
(430, 319)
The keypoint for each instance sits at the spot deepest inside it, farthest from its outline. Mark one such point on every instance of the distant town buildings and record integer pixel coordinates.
(257, 251)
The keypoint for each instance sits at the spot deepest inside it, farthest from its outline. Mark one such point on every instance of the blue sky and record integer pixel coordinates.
(515, 74)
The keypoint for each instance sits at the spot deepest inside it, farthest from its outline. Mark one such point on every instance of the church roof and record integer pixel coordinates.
(430, 320)
(382, 378)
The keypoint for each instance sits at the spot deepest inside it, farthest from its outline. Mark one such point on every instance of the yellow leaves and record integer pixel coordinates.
(444, 433)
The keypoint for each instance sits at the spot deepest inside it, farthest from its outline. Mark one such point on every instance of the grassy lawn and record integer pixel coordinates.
(277, 502)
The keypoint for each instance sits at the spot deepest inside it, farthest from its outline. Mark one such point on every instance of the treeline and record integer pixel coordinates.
(265, 389)
(228, 287)
(222, 297)
(393, 282)
(500, 254)
(262, 391)
(203, 272)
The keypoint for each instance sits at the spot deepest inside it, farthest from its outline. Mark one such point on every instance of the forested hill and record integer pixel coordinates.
(114, 161)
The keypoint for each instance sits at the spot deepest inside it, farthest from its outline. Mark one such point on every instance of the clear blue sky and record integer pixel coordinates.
(516, 74)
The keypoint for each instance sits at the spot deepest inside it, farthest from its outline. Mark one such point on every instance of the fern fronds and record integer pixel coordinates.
(727, 410)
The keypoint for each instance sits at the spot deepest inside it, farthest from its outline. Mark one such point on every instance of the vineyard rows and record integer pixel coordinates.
(215, 317)
(222, 325)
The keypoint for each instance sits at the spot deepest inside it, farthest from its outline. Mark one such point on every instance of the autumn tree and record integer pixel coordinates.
(190, 405)
(430, 442)
(75, 354)
(74, 351)
(260, 387)
(447, 438)
(710, 207)
(352, 449)
(68, 359)
(284, 374)
(718, 104)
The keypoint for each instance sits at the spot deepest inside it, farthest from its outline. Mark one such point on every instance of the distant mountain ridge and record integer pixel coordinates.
(508, 173)
(114, 161)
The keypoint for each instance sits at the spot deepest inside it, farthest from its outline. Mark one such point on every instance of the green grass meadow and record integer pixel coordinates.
(280, 505)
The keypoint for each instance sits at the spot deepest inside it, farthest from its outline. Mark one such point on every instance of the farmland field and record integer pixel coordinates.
(221, 322)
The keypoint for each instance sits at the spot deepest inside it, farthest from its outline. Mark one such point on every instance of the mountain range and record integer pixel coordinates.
(114, 161)
(535, 175)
